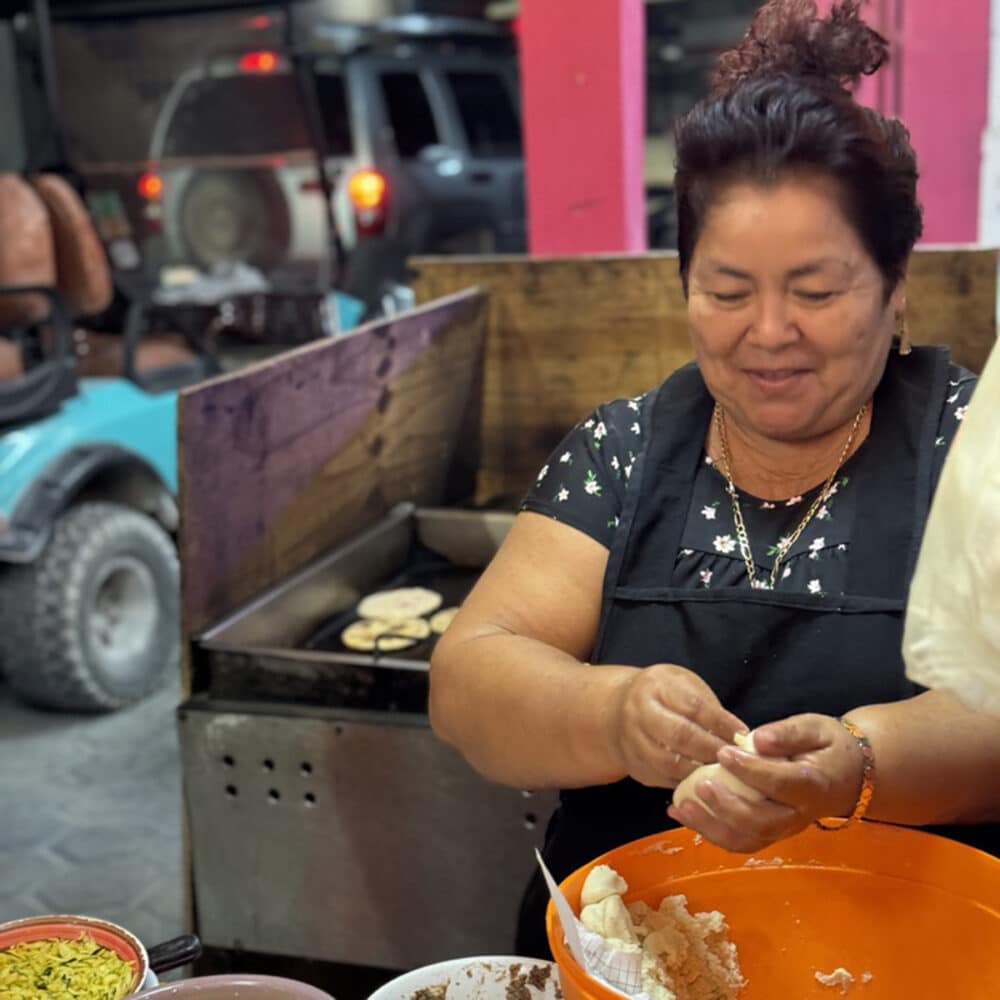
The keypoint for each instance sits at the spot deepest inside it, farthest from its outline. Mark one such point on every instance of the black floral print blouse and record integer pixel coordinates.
(586, 478)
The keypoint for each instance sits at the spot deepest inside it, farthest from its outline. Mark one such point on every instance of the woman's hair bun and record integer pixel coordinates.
(790, 38)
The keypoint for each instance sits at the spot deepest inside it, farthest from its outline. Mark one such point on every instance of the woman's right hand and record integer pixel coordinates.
(667, 721)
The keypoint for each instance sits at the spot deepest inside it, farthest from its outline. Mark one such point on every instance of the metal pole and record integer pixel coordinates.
(302, 66)
(46, 56)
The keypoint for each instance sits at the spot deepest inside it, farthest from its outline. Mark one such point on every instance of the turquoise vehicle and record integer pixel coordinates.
(89, 574)
(90, 587)
(89, 577)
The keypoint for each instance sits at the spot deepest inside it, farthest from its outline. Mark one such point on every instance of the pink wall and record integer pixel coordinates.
(937, 83)
(583, 82)
(943, 89)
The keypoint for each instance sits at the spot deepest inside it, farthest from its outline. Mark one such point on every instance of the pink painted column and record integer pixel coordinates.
(937, 83)
(584, 93)
(943, 91)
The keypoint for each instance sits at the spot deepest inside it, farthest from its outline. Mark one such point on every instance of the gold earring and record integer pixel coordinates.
(905, 346)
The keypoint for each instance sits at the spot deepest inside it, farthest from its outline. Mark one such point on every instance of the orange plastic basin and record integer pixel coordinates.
(920, 913)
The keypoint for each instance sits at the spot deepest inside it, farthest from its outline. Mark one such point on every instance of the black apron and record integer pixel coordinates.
(766, 654)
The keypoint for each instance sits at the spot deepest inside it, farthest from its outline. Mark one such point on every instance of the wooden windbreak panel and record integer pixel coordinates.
(564, 334)
(951, 299)
(282, 461)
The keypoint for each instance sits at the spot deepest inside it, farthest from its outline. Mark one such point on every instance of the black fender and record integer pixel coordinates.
(105, 471)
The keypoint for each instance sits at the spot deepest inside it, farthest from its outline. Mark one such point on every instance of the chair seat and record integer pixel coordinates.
(11, 363)
(103, 354)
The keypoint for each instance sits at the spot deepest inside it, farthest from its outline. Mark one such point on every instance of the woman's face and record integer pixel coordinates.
(788, 315)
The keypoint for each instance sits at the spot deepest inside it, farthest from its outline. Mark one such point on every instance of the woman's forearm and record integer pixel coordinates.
(936, 761)
(526, 714)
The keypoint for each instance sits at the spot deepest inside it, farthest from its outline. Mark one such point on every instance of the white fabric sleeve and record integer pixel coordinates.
(952, 634)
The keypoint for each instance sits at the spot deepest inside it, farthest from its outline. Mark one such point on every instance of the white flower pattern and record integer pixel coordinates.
(596, 464)
(724, 544)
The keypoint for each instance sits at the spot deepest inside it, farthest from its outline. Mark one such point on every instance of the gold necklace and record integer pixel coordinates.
(784, 545)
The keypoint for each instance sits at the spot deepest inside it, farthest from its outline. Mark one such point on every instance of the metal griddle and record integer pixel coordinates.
(285, 646)
(425, 568)
(327, 821)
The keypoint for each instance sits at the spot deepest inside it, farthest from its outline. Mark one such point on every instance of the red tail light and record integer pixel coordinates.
(150, 187)
(369, 193)
(263, 61)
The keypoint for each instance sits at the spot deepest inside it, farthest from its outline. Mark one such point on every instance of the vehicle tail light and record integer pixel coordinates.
(262, 61)
(150, 187)
(369, 193)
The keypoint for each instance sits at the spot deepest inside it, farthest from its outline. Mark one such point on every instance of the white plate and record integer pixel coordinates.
(484, 977)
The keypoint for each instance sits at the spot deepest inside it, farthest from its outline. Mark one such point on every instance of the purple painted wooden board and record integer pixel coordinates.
(281, 461)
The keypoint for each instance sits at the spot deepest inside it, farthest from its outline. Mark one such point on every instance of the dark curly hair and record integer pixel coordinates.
(780, 104)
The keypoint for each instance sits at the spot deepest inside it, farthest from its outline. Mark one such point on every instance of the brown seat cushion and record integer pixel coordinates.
(27, 256)
(82, 271)
(11, 365)
(103, 354)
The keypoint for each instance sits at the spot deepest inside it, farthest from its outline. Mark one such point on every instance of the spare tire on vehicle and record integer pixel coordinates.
(234, 216)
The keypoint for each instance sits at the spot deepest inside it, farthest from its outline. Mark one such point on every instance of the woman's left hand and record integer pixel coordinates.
(806, 767)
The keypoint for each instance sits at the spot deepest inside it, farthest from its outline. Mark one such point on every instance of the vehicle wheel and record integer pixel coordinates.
(93, 624)
(234, 216)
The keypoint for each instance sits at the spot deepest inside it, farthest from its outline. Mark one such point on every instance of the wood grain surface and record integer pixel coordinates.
(564, 334)
(283, 460)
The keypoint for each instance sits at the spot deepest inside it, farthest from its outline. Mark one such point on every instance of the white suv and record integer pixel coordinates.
(423, 147)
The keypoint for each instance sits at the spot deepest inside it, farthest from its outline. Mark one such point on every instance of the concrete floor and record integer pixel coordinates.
(90, 815)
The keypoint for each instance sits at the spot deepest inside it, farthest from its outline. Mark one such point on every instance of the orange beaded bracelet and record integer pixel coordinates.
(867, 781)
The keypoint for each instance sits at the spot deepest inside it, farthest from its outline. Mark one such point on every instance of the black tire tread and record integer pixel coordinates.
(40, 650)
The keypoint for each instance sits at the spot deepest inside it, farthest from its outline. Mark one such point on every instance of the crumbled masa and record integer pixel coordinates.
(839, 977)
(661, 848)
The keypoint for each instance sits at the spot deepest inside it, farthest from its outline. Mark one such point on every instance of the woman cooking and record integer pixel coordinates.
(732, 550)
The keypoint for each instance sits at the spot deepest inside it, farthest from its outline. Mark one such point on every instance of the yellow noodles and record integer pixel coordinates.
(59, 969)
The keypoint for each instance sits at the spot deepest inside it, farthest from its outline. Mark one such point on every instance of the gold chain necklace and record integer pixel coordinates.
(784, 545)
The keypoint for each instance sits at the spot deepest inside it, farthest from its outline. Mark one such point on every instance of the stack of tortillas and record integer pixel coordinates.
(391, 620)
